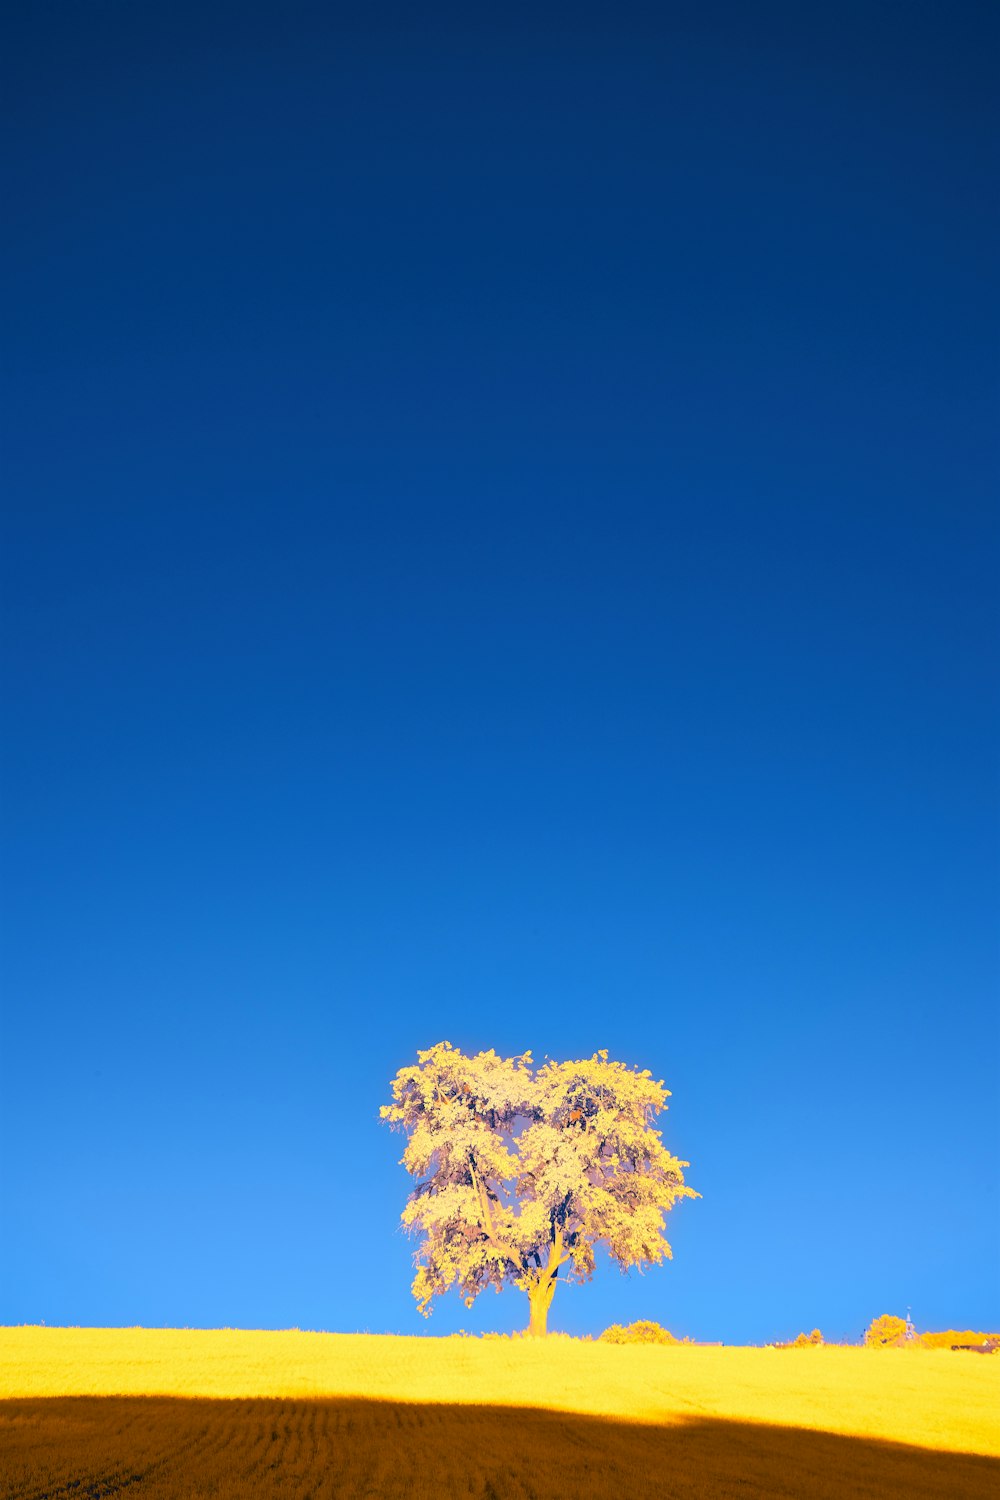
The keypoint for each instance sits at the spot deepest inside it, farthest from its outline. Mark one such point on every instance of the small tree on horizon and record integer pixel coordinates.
(884, 1331)
(521, 1174)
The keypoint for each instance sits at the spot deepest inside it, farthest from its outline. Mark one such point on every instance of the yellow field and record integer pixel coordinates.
(174, 1415)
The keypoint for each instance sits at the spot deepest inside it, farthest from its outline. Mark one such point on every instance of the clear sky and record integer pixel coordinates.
(500, 543)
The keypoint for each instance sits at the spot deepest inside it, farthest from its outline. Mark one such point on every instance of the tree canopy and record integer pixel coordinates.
(521, 1173)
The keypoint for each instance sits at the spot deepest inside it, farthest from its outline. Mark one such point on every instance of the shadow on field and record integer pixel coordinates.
(170, 1448)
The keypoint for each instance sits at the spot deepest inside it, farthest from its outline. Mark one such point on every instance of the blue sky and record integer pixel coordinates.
(500, 544)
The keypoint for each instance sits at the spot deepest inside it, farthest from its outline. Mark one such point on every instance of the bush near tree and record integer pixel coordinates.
(642, 1332)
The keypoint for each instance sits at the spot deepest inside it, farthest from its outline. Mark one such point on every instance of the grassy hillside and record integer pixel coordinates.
(169, 1413)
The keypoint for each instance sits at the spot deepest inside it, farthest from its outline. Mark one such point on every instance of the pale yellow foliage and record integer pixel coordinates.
(523, 1173)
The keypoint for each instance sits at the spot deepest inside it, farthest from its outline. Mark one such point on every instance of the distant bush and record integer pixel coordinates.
(952, 1336)
(804, 1341)
(885, 1331)
(643, 1332)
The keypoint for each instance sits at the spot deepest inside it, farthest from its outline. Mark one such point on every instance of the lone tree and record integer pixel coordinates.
(521, 1173)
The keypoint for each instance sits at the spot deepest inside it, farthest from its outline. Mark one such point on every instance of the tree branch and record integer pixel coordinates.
(488, 1226)
(556, 1256)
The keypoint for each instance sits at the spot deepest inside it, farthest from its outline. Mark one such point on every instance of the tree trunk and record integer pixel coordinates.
(544, 1289)
(539, 1302)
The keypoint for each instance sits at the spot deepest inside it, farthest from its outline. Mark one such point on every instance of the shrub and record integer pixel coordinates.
(952, 1336)
(643, 1332)
(804, 1341)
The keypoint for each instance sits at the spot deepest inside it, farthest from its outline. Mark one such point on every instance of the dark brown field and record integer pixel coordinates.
(169, 1448)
